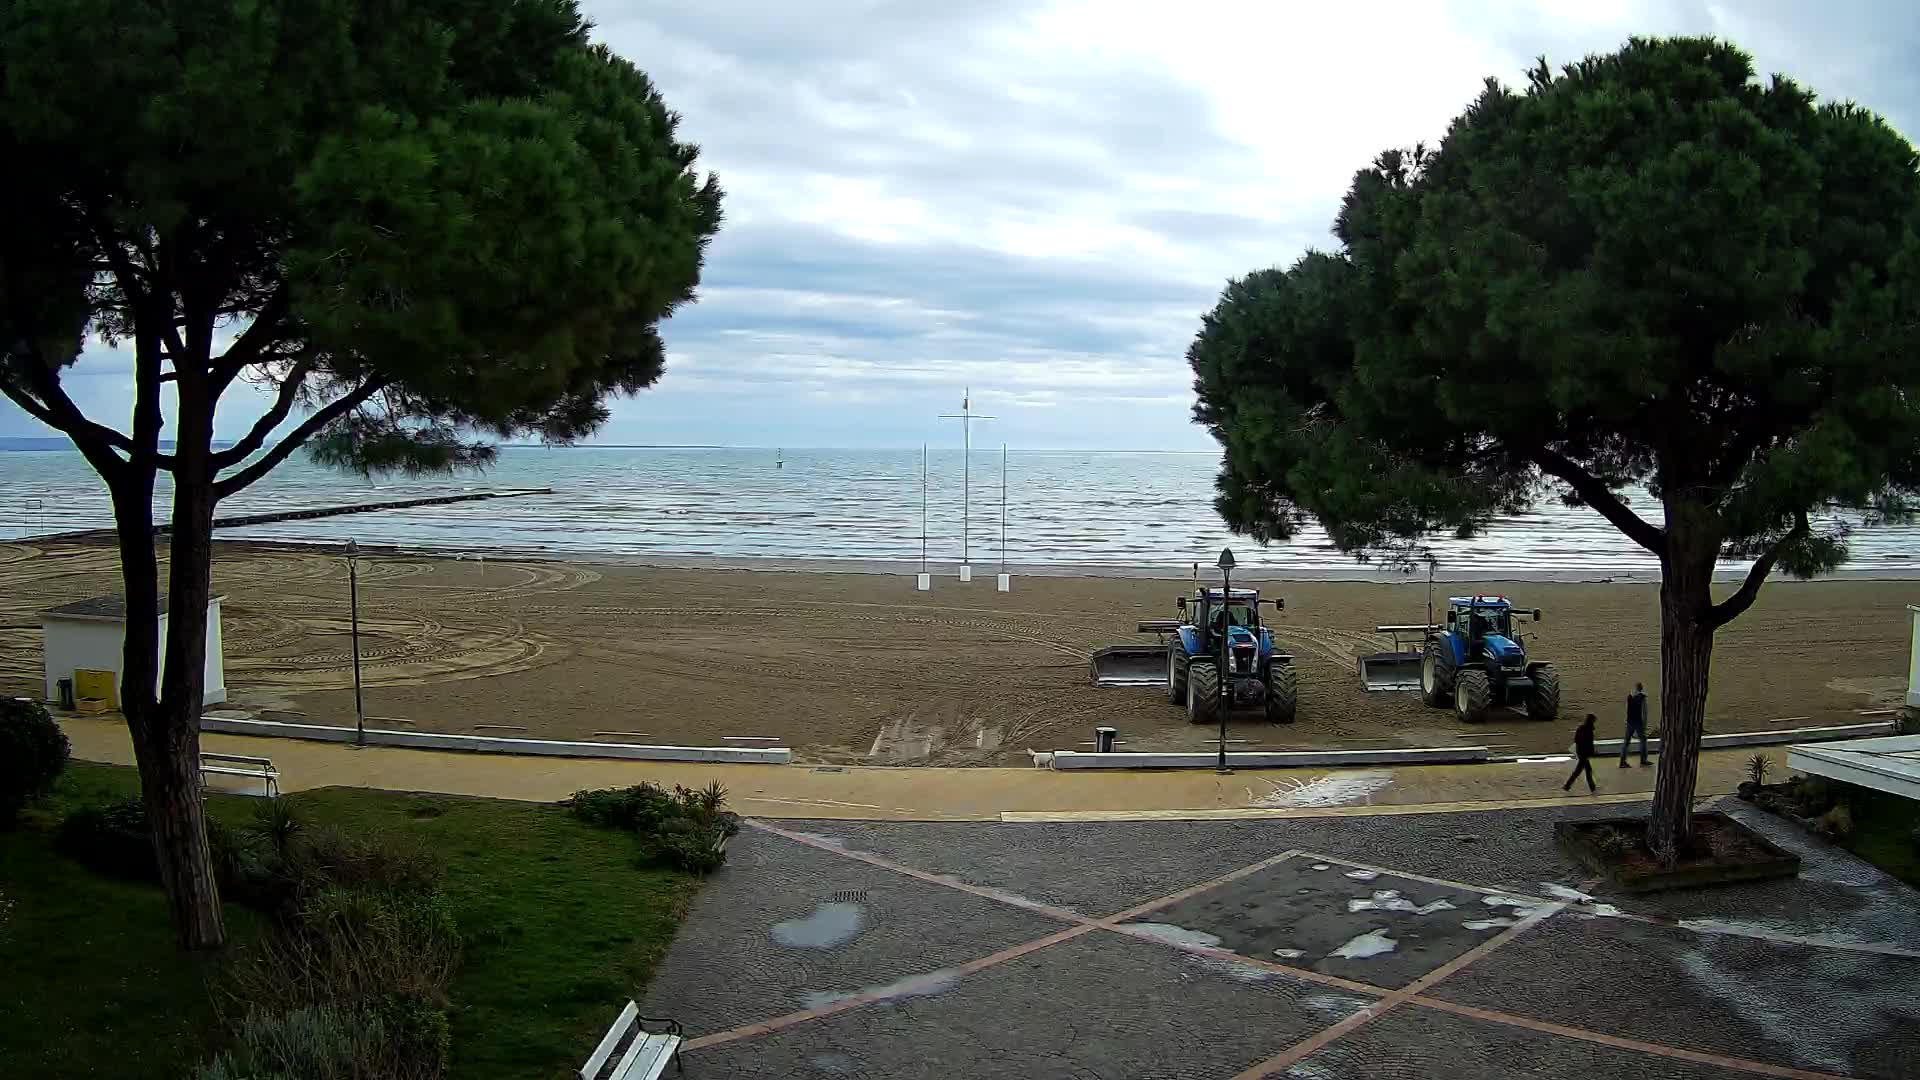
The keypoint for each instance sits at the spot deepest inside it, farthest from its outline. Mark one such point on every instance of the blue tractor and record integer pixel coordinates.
(1476, 660)
(1217, 627)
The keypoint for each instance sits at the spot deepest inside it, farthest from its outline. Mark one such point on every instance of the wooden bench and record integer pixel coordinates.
(643, 1054)
(257, 768)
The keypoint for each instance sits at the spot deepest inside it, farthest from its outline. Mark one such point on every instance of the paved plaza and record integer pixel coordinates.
(1417, 945)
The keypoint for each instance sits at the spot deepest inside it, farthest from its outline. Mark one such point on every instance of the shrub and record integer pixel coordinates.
(1758, 766)
(33, 751)
(1837, 823)
(326, 857)
(330, 1042)
(345, 945)
(1610, 842)
(111, 839)
(683, 829)
(640, 808)
(1815, 795)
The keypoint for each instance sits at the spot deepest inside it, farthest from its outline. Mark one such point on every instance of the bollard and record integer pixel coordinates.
(1103, 738)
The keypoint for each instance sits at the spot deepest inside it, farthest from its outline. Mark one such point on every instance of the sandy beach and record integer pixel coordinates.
(851, 668)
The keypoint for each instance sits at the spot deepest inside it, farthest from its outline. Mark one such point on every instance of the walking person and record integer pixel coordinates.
(1636, 724)
(1583, 751)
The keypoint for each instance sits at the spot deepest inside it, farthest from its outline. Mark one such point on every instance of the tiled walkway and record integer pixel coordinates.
(1437, 945)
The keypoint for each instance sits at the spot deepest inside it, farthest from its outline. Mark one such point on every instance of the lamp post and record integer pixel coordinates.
(1226, 680)
(353, 607)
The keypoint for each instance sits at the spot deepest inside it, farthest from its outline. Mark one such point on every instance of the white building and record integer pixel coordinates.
(91, 634)
(1890, 764)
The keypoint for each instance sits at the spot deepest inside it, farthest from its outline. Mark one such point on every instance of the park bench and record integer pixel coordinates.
(257, 768)
(643, 1054)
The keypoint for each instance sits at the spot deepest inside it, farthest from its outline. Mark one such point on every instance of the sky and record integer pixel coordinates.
(1039, 200)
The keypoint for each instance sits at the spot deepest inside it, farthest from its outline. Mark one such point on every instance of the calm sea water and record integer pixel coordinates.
(1106, 512)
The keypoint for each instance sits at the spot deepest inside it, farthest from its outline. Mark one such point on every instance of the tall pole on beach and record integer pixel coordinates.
(1003, 508)
(923, 508)
(966, 416)
(353, 616)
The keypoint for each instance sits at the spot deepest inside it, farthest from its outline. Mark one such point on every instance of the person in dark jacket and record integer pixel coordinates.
(1583, 751)
(1636, 724)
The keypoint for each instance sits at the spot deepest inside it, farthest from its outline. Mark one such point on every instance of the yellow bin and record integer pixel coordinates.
(97, 685)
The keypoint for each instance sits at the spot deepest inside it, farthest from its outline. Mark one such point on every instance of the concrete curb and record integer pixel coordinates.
(1611, 747)
(422, 740)
(1274, 759)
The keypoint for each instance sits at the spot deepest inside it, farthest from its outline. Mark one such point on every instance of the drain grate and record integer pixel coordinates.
(850, 896)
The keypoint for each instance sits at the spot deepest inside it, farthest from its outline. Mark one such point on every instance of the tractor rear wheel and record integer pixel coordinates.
(1203, 692)
(1176, 674)
(1472, 694)
(1543, 701)
(1283, 693)
(1437, 674)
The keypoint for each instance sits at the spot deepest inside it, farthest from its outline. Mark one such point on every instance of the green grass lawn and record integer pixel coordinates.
(561, 928)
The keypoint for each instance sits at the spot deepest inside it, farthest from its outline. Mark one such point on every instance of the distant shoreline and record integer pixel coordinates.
(984, 570)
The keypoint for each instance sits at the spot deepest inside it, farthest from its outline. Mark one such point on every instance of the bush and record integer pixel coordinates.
(344, 945)
(1837, 823)
(1758, 766)
(683, 829)
(1815, 795)
(33, 751)
(112, 840)
(328, 1042)
(1610, 842)
(326, 857)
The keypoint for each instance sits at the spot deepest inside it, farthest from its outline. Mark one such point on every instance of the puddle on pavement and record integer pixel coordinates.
(1371, 943)
(933, 982)
(830, 925)
(1391, 900)
(1174, 935)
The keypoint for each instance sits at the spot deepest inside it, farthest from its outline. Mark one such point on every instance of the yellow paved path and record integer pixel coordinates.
(932, 794)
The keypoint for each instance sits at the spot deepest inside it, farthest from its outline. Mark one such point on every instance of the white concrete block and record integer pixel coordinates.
(425, 740)
(923, 582)
(966, 573)
(1004, 583)
(1275, 759)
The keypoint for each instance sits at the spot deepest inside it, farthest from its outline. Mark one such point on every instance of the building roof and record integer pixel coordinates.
(1890, 763)
(99, 607)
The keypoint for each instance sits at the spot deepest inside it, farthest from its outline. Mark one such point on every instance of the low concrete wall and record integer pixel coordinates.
(1272, 759)
(1611, 747)
(424, 740)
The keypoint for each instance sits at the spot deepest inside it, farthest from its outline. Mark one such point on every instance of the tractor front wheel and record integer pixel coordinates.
(1283, 693)
(1176, 674)
(1203, 693)
(1472, 694)
(1436, 673)
(1543, 701)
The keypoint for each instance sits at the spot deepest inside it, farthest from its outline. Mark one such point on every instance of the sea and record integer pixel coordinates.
(1033, 511)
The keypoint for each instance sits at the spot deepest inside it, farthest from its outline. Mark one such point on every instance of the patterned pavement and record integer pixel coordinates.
(1440, 945)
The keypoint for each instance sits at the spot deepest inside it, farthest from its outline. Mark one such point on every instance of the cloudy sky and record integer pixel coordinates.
(1039, 200)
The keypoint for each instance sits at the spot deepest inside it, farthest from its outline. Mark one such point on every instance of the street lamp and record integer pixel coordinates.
(1225, 680)
(353, 602)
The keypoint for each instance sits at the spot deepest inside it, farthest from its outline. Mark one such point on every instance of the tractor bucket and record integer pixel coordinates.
(1390, 671)
(1130, 665)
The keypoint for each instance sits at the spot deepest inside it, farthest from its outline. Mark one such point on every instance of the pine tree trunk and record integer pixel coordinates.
(1686, 655)
(172, 780)
(165, 725)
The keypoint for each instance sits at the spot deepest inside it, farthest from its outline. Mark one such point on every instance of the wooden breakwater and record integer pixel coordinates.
(310, 512)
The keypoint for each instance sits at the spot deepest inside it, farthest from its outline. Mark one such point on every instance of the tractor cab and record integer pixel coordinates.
(1212, 613)
(1485, 625)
